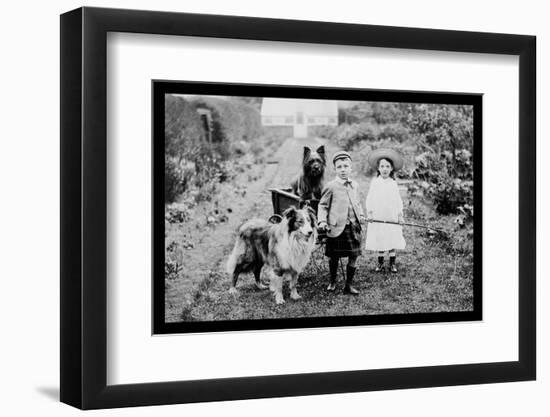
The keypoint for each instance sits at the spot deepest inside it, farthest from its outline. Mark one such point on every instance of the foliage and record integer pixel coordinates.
(194, 162)
(254, 102)
(176, 214)
(349, 136)
(183, 131)
(232, 121)
(374, 112)
(327, 132)
(447, 179)
(177, 177)
(442, 127)
(445, 133)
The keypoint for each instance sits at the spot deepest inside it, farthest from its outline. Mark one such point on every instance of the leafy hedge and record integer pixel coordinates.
(445, 133)
(184, 146)
(232, 121)
(191, 161)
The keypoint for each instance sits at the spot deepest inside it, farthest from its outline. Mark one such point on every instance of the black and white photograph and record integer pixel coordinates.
(244, 208)
(304, 212)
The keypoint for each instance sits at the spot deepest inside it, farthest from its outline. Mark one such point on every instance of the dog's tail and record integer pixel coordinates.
(238, 250)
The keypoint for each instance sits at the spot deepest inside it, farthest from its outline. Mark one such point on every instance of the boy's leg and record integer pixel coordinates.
(380, 265)
(393, 268)
(350, 273)
(333, 269)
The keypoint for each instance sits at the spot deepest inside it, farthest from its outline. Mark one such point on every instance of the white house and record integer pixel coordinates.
(299, 113)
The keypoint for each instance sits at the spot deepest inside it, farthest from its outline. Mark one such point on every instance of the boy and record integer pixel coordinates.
(341, 215)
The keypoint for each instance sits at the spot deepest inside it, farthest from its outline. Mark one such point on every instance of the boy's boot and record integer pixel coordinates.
(380, 265)
(393, 268)
(333, 268)
(348, 289)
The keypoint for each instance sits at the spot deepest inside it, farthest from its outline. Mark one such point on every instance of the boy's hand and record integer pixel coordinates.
(322, 226)
(362, 219)
(369, 216)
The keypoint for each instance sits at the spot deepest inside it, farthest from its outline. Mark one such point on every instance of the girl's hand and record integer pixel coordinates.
(369, 215)
(322, 226)
(362, 219)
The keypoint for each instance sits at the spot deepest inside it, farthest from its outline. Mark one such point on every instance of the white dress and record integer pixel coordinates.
(385, 203)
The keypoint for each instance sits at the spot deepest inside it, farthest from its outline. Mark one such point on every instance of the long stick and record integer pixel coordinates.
(407, 224)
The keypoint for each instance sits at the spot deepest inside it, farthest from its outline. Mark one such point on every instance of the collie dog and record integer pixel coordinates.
(309, 184)
(284, 247)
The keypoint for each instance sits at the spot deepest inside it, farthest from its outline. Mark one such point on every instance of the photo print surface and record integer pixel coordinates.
(294, 207)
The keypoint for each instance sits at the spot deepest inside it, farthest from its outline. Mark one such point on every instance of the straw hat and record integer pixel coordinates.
(386, 153)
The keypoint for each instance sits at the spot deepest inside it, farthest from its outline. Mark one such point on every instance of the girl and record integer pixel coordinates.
(384, 203)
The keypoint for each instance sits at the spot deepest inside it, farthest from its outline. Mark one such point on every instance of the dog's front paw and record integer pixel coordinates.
(295, 296)
(261, 286)
(279, 300)
(233, 291)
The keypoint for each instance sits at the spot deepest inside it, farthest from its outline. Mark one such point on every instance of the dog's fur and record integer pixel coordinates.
(309, 184)
(284, 247)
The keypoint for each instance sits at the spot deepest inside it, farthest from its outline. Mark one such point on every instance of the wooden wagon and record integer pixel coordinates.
(283, 198)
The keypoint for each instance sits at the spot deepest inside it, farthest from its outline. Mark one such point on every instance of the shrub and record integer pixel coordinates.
(442, 127)
(327, 132)
(447, 179)
(232, 121)
(349, 137)
(176, 213)
(177, 177)
(374, 112)
(396, 132)
(191, 161)
(450, 194)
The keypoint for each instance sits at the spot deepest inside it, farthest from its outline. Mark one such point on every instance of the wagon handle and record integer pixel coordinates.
(285, 193)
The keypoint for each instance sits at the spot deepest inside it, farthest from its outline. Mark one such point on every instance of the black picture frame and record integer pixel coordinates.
(162, 87)
(84, 208)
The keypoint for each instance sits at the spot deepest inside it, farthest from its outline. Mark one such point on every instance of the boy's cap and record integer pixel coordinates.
(340, 155)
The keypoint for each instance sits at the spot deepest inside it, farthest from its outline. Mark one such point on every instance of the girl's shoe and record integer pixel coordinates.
(380, 266)
(393, 268)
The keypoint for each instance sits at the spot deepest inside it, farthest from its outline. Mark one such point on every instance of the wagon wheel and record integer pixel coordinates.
(317, 262)
(275, 219)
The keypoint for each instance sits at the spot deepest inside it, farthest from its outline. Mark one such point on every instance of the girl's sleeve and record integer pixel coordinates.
(370, 196)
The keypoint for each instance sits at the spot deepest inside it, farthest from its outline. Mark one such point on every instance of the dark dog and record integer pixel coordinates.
(284, 247)
(309, 185)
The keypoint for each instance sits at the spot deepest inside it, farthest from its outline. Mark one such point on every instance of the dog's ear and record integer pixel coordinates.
(307, 152)
(290, 214)
(321, 150)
